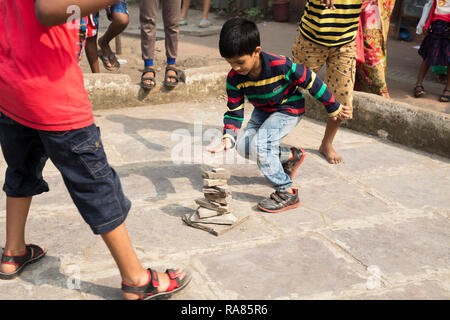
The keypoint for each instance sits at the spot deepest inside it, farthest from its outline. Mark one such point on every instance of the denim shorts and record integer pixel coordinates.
(79, 155)
(120, 6)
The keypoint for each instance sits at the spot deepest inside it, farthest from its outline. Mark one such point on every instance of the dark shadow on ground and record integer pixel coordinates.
(47, 272)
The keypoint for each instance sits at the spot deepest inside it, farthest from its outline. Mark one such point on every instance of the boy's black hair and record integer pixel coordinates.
(238, 37)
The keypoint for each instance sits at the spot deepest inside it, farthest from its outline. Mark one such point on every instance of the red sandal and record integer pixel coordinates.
(149, 290)
(33, 254)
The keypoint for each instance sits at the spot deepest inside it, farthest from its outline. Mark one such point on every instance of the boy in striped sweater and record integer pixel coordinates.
(270, 83)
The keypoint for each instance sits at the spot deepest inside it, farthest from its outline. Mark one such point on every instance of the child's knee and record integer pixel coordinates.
(121, 19)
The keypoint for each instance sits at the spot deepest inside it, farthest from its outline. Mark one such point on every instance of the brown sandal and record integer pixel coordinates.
(180, 76)
(419, 91)
(114, 64)
(445, 97)
(144, 79)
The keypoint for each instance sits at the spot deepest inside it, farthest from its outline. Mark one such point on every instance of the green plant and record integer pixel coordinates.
(231, 6)
(255, 13)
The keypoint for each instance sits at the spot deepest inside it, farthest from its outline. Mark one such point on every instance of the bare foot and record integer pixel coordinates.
(164, 282)
(106, 49)
(330, 154)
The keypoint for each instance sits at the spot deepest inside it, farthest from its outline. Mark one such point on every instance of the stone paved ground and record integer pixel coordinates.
(374, 227)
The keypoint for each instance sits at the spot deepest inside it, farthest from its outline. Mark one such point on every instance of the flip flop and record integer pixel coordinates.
(204, 23)
(182, 22)
(149, 291)
(33, 254)
(114, 63)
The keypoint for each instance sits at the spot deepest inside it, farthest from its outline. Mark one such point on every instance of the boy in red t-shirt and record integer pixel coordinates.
(45, 113)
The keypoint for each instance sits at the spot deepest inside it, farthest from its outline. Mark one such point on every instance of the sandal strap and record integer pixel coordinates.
(170, 68)
(148, 70)
(174, 280)
(148, 289)
(282, 195)
(276, 197)
(32, 251)
(169, 76)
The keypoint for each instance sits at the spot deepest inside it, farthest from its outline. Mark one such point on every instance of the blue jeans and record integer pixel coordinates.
(78, 154)
(261, 140)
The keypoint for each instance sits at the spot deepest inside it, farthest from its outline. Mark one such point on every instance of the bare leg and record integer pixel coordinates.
(326, 148)
(446, 94)
(91, 54)
(16, 218)
(206, 6)
(185, 9)
(119, 23)
(131, 270)
(447, 87)
(422, 72)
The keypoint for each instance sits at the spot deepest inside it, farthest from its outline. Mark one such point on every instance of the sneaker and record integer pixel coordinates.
(280, 201)
(290, 167)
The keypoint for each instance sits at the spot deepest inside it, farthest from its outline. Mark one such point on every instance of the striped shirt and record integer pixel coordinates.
(331, 27)
(275, 90)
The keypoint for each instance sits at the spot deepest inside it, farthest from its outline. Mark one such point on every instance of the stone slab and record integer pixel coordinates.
(226, 219)
(427, 188)
(423, 290)
(222, 201)
(216, 175)
(203, 202)
(296, 267)
(400, 250)
(214, 182)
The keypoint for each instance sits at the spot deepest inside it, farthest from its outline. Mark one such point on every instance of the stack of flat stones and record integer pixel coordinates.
(214, 210)
(215, 207)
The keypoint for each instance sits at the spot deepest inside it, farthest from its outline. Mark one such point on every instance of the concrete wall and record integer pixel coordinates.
(395, 121)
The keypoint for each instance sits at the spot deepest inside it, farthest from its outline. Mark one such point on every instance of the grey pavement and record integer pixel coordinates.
(374, 227)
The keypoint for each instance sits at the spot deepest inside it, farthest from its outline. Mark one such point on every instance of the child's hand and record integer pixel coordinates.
(345, 113)
(329, 4)
(226, 144)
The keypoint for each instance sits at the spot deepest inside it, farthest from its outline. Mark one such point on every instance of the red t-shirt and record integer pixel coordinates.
(41, 83)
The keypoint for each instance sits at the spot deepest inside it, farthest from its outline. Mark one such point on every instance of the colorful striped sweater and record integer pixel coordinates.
(275, 90)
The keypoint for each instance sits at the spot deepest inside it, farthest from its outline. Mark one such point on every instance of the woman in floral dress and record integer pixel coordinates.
(371, 62)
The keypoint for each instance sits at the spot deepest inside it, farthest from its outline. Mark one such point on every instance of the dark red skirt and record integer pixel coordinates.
(435, 48)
